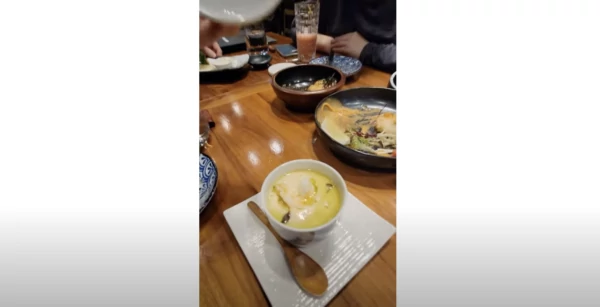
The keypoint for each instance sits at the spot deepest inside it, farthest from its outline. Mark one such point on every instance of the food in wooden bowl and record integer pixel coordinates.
(302, 87)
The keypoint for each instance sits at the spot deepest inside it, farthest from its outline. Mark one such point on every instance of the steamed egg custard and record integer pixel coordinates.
(310, 198)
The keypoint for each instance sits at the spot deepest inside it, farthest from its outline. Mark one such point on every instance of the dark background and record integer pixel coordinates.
(280, 21)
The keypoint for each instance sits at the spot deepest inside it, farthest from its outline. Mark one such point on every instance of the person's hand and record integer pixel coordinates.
(211, 31)
(212, 51)
(350, 44)
(324, 43)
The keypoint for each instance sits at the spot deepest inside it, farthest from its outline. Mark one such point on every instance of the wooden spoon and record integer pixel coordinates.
(309, 275)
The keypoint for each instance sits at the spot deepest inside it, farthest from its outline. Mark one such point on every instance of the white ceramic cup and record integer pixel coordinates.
(302, 237)
(241, 12)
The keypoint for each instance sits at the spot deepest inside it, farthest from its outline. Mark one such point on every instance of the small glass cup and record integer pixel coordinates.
(307, 27)
(204, 133)
(256, 39)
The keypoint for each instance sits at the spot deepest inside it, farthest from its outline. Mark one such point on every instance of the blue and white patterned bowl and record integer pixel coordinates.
(349, 66)
(208, 180)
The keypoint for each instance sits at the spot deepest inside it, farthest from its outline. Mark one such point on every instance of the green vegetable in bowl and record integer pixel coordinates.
(360, 143)
(203, 58)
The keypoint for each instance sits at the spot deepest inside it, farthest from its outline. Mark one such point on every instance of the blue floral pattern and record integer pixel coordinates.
(208, 180)
(349, 66)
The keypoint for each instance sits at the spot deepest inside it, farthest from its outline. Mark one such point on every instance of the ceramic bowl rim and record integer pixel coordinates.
(392, 80)
(271, 178)
(214, 189)
(334, 88)
(324, 132)
(247, 20)
(353, 73)
(229, 69)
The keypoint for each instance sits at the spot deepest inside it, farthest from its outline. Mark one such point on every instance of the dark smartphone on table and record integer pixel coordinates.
(286, 51)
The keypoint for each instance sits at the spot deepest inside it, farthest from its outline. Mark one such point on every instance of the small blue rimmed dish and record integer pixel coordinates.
(208, 180)
(349, 66)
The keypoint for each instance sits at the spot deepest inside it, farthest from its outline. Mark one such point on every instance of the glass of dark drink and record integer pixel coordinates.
(256, 39)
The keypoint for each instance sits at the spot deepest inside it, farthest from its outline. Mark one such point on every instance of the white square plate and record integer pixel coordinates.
(358, 236)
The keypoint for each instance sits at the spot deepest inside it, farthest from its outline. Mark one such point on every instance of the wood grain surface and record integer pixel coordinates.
(255, 133)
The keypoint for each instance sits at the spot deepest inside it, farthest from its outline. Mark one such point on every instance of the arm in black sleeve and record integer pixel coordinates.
(293, 36)
(379, 56)
(293, 32)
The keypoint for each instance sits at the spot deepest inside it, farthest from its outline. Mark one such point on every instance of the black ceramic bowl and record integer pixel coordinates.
(371, 97)
(224, 76)
(303, 101)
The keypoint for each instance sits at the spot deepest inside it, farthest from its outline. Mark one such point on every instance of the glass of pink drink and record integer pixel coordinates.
(307, 27)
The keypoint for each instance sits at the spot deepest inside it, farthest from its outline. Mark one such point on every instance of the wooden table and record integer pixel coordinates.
(255, 133)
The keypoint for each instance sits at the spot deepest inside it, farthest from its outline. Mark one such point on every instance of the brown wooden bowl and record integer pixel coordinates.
(301, 101)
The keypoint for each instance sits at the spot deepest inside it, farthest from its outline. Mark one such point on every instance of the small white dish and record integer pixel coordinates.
(278, 67)
(222, 63)
(359, 234)
(240, 12)
(207, 67)
(235, 62)
(393, 80)
(303, 237)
